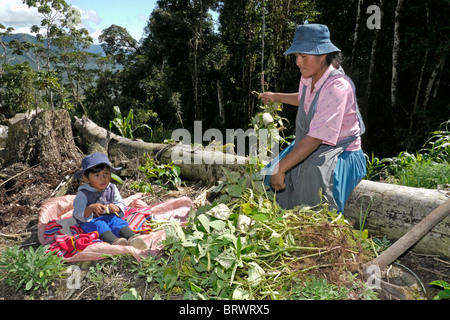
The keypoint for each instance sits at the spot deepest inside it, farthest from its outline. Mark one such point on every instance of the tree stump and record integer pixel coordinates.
(45, 138)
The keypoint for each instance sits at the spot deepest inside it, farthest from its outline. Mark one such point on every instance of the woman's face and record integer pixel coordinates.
(100, 180)
(311, 65)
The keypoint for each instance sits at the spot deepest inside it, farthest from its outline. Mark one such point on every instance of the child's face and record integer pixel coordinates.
(100, 180)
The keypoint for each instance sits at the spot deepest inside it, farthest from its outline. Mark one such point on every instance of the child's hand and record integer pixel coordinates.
(97, 208)
(112, 208)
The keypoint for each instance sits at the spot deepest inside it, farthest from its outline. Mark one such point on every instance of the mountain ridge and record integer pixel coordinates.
(25, 37)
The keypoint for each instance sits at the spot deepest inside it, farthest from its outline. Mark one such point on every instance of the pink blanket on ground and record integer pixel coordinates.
(58, 212)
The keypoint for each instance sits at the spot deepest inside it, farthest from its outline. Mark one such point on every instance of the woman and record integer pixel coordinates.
(326, 158)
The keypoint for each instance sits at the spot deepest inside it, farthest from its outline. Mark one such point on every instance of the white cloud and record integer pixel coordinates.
(142, 17)
(95, 34)
(91, 21)
(14, 13)
(89, 16)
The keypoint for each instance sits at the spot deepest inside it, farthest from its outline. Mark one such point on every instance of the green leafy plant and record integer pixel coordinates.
(402, 161)
(318, 289)
(165, 175)
(149, 267)
(131, 294)
(427, 168)
(30, 269)
(443, 294)
(231, 185)
(116, 178)
(269, 119)
(375, 167)
(248, 247)
(427, 174)
(439, 142)
(381, 244)
(125, 125)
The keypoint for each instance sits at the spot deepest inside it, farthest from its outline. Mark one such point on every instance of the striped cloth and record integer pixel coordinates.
(139, 219)
(66, 244)
(65, 238)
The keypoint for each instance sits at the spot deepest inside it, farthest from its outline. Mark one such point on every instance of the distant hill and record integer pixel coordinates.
(23, 37)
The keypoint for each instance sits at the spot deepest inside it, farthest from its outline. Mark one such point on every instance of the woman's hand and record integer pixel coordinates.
(267, 97)
(277, 181)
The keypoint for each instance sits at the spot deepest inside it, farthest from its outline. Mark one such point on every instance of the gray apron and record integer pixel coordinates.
(312, 179)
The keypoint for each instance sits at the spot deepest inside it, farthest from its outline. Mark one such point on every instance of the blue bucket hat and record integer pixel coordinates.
(312, 39)
(91, 161)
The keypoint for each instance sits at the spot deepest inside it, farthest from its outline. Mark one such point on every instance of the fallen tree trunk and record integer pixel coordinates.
(393, 210)
(197, 162)
(383, 209)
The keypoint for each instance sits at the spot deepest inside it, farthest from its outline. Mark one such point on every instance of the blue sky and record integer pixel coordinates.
(96, 15)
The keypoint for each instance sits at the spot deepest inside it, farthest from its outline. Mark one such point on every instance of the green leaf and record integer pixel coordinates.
(29, 285)
(218, 225)
(226, 258)
(195, 287)
(220, 211)
(188, 244)
(231, 176)
(175, 230)
(240, 294)
(170, 276)
(443, 295)
(204, 220)
(248, 208)
(440, 283)
(255, 274)
(133, 294)
(217, 188)
(259, 217)
(116, 178)
(238, 248)
(234, 190)
(229, 237)
(219, 285)
(220, 272)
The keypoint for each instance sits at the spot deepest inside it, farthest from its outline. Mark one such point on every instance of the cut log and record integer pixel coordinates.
(392, 210)
(385, 209)
(198, 163)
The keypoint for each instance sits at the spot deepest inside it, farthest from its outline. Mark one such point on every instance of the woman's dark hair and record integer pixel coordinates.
(334, 58)
(95, 169)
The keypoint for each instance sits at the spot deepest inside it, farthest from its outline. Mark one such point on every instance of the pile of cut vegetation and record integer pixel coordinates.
(244, 246)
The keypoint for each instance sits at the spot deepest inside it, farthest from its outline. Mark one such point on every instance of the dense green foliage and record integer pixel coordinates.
(188, 66)
(244, 246)
(30, 269)
(429, 168)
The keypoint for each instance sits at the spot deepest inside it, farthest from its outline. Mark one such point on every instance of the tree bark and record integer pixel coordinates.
(356, 35)
(395, 54)
(371, 73)
(443, 50)
(393, 210)
(198, 163)
(221, 106)
(46, 138)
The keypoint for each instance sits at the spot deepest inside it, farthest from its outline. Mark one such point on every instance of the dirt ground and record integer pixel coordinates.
(23, 189)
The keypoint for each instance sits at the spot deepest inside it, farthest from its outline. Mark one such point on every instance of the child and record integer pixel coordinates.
(98, 205)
